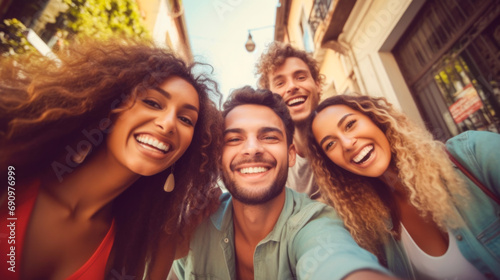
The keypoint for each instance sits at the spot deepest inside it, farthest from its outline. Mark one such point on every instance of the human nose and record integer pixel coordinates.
(166, 122)
(291, 87)
(348, 142)
(252, 147)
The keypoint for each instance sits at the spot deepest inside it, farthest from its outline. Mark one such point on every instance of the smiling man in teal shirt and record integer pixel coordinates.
(263, 230)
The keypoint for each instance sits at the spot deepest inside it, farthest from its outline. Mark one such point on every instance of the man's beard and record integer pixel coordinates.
(248, 196)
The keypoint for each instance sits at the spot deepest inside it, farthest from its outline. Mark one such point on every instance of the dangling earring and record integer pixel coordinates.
(170, 183)
(80, 157)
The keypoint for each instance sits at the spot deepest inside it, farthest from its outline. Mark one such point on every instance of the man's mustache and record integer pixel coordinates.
(255, 159)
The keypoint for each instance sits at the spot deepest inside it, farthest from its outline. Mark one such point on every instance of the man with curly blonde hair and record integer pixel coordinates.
(294, 74)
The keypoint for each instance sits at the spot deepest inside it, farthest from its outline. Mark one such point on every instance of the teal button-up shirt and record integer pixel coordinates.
(308, 241)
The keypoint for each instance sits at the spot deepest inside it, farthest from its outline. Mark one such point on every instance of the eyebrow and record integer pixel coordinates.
(169, 96)
(298, 72)
(324, 140)
(301, 71)
(233, 130)
(261, 130)
(160, 90)
(277, 78)
(343, 119)
(270, 129)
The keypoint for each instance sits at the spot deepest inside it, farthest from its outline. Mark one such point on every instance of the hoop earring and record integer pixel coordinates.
(170, 182)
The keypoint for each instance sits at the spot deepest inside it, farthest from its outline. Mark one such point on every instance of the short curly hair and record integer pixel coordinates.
(276, 55)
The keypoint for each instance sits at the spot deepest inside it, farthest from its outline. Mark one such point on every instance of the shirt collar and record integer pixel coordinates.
(222, 218)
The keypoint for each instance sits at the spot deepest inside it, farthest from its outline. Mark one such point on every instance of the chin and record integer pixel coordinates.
(144, 171)
(373, 174)
(300, 119)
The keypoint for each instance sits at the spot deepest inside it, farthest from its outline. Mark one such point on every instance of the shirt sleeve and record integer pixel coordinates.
(479, 152)
(324, 249)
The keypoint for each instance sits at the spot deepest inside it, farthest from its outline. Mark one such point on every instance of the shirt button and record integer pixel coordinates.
(226, 240)
(459, 237)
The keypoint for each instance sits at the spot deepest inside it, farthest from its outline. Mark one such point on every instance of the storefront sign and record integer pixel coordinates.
(468, 102)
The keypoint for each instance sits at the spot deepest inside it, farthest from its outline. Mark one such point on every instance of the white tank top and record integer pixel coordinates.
(451, 265)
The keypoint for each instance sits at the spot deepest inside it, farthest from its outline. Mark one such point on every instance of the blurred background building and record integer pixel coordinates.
(167, 23)
(438, 61)
(57, 22)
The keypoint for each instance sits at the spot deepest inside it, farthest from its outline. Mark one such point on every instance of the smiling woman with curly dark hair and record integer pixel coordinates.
(91, 139)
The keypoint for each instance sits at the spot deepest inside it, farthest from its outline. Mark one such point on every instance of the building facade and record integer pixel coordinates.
(167, 23)
(437, 61)
(164, 19)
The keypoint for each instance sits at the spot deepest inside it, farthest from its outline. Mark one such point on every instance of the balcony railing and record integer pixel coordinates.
(318, 13)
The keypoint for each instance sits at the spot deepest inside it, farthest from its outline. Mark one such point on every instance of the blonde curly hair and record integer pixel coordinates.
(365, 204)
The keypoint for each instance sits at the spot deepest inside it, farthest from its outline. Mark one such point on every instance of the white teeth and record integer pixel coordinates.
(296, 100)
(251, 170)
(362, 153)
(153, 142)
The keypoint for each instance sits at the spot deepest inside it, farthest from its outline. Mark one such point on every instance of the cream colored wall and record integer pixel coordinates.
(366, 31)
(165, 26)
(294, 21)
(161, 22)
(156, 19)
(332, 73)
(329, 69)
(363, 67)
(149, 12)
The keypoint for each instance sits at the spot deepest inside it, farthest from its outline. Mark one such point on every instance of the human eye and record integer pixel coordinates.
(350, 124)
(270, 138)
(232, 140)
(329, 145)
(186, 121)
(151, 103)
(301, 75)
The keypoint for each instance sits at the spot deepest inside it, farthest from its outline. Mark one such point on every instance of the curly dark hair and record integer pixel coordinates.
(276, 55)
(46, 104)
(264, 97)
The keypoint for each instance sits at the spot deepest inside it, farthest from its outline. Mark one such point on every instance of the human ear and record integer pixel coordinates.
(292, 153)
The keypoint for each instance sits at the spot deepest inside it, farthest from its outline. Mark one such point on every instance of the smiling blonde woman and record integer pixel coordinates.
(399, 194)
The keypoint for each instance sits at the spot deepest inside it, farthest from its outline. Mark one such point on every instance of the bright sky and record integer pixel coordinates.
(218, 31)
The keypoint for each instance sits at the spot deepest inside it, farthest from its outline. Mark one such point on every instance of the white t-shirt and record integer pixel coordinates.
(301, 178)
(452, 265)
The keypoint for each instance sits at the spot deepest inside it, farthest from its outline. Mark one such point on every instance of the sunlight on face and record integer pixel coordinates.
(294, 82)
(255, 157)
(352, 141)
(151, 135)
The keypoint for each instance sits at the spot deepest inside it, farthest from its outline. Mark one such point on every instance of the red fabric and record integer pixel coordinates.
(25, 198)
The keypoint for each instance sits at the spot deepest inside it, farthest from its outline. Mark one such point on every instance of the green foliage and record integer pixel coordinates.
(103, 18)
(12, 39)
(84, 18)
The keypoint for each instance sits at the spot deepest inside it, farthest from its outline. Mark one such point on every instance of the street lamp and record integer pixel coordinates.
(250, 44)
